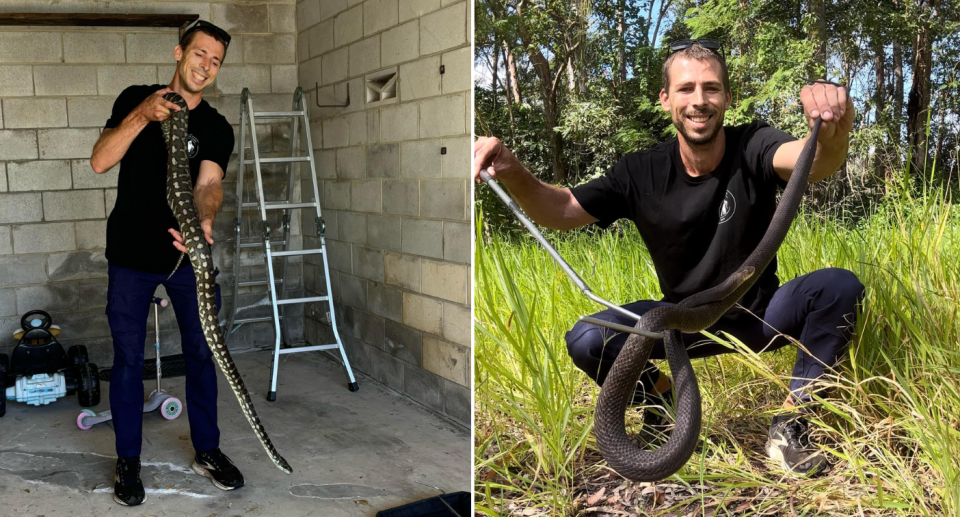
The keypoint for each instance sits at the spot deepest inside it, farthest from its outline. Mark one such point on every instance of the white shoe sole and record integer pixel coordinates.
(774, 453)
(117, 499)
(200, 469)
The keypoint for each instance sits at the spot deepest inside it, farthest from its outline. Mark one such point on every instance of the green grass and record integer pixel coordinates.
(890, 421)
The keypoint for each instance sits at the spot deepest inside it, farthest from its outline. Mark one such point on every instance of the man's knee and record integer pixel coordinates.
(845, 284)
(582, 340)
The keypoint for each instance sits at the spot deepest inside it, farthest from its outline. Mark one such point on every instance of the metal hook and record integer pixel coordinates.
(317, 100)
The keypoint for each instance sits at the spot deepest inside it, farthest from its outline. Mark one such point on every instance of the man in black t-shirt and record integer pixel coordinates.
(143, 246)
(701, 202)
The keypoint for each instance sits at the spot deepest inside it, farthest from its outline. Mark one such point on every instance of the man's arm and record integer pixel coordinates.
(207, 196)
(113, 143)
(832, 103)
(545, 204)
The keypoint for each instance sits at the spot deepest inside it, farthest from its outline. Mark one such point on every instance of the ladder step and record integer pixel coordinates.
(253, 320)
(277, 114)
(259, 282)
(307, 348)
(279, 159)
(279, 206)
(303, 300)
(296, 252)
(260, 244)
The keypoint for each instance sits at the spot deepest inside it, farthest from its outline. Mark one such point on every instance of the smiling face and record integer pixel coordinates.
(697, 99)
(198, 64)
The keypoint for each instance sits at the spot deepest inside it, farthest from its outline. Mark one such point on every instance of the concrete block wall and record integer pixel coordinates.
(57, 89)
(395, 190)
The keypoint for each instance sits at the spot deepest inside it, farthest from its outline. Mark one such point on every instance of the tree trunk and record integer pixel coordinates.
(897, 89)
(918, 102)
(495, 67)
(819, 36)
(880, 77)
(512, 73)
(621, 42)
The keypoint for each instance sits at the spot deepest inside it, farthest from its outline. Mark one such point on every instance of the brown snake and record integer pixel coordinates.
(695, 313)
(180, 199)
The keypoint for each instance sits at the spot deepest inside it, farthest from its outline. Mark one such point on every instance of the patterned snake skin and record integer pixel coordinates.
(180, 199)
(693, 314)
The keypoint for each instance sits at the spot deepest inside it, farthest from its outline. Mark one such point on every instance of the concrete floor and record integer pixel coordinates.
(352, 453)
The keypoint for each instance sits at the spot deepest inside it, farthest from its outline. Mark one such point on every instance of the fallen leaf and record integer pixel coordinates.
(592, 500)
(184, 437)
(362, 501)
(56, 425)
(27, 490)
(170, 486)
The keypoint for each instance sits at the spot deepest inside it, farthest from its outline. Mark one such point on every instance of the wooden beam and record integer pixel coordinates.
(97, 19)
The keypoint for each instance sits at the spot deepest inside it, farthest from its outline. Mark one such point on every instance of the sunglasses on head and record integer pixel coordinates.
(200, 24)
(683, 44)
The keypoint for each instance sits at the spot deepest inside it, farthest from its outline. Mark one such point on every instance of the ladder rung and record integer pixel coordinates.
(279, 159)
(302, 300)
(279, 206)
(260, 244)
(253, 320)
(316, 251)
(258, 282)
(277, 114)
(307, 348)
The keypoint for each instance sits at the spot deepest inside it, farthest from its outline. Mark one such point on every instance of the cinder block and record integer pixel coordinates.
(233, 79)
(308, 14)
(456, 241)
(39, 175)
(352, 227)
(66, 143)
(310, 73)
(365, 56)
(383, 232)
(8, 302)
(401, 197)
(3, 177)
(113, 79)
(443, 280)
(75, 204)
(353, 291)
(326, 163)
(424, 387)
(60, 296)
(442, 116)
(275, 49)
(6, 241)
(422, 237)
(410, 9)
(84, 177)
(303, 46)
(444, 29)
(456, 401)
(340, 256)
(357, 122)
(402, 342)
(336, 65)
(20, 208)
(76, 265)
(65, 80)
(283, 78)
(238, 18)
(456, 163)
(373, 126)
(421, 313)
(30, 47)
(365, 196)
(385, 301)
(457, 323)
(330, 8)
(89, 111)
(16, 81)
(399, 122)
(402, 271)
(445, 359)
(158, 47)
(379, 15)
(336, 195)
(283, 18)
(420, 79)
(350, 163)
(23, 269)
(92, 47)
(336, 133)
(18, 145)
(383, 161)
(34, 113)
(91, 234)
(44, 238)
(443, 199)
(457, 70)
(368, 263)
(401, 44)
(348, 26)
(420, 159)
(94, 293)
(320, 38)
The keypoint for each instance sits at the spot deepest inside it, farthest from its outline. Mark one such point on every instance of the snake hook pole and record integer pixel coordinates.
(507, 200)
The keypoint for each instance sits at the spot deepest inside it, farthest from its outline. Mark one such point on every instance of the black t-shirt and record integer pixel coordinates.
(137, 236)
(698, 230)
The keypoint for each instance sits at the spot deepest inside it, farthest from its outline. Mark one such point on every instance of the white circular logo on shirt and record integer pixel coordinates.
(728, 207)
(193, 146)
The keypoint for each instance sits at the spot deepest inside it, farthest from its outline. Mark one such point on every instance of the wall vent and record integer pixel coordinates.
(382, 87)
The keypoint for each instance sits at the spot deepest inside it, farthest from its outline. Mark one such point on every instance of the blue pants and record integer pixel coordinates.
(129, 295)
(818, 309)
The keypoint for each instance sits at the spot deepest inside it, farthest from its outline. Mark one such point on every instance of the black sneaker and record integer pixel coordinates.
(655, 420)
(127, 487)
(218, 467)
(789, 445)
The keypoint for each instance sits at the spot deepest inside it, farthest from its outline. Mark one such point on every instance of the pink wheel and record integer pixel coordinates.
(171, 408)
(83, 414)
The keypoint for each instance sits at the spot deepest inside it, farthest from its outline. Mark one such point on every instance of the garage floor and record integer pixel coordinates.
(352, 453)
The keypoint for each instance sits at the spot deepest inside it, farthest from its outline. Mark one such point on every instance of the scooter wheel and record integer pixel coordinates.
(171, 408)
(83, 414)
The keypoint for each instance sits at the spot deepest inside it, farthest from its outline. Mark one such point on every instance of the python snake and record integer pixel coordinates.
(695, 313)
(180, 199)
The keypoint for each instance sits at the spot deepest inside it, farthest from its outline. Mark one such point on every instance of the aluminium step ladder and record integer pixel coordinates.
(261, 205)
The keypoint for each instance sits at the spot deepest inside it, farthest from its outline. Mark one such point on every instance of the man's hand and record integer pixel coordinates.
(489, 153)
(831, 102)
(205, 224)
(155, 108)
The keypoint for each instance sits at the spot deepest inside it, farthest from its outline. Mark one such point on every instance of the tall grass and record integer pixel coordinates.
(890, 420)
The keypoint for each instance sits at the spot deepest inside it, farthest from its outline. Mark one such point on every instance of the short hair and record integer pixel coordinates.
(698, 52)
(188, 39)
